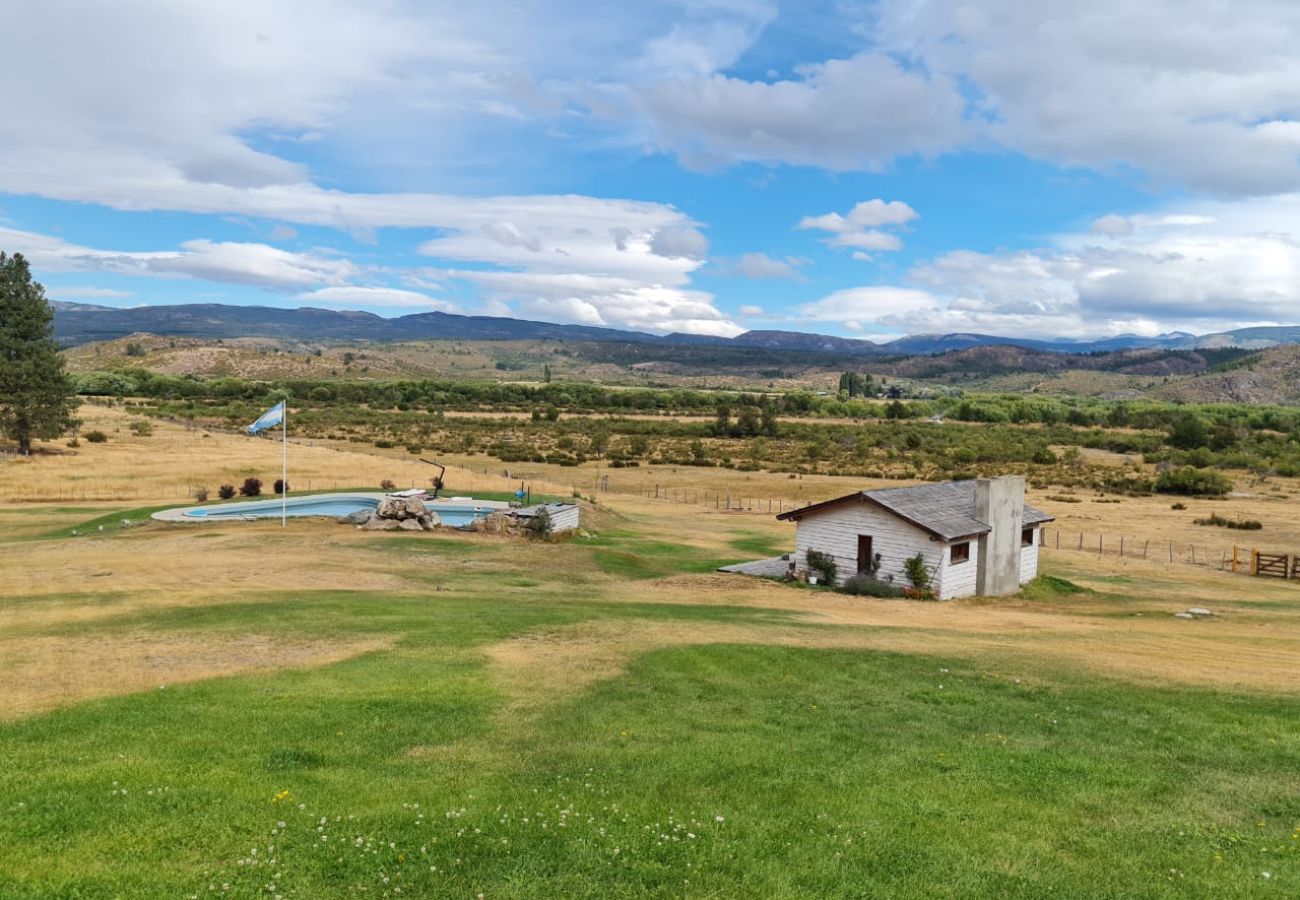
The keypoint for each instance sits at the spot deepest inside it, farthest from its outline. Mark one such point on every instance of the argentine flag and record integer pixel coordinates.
(269, 419)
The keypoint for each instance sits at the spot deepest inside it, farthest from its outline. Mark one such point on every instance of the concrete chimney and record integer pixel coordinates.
(1000, 504)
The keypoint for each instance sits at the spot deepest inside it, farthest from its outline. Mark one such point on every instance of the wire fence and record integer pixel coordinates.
(1236, 558)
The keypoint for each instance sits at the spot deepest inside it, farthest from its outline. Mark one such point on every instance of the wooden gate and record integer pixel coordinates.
(1276, 565)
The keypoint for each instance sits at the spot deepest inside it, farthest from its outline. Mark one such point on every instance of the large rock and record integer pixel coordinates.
(432, 520)
(360, 517)
(410, 525)
(378, 524)
(415, 508)
(392, 508)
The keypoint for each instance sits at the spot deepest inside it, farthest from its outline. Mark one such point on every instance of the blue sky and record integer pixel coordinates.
(861, 168)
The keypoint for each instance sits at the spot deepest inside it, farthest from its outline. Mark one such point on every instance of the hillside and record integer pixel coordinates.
(1269, 376)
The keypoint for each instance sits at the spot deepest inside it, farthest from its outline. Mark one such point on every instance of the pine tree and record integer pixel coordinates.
(37, 399)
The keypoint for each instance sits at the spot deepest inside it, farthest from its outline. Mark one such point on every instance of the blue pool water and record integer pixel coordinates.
(334, 505)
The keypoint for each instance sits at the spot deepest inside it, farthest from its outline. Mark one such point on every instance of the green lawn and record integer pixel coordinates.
(700, 771)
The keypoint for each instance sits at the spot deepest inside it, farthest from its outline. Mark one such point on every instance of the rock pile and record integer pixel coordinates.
(396, 514)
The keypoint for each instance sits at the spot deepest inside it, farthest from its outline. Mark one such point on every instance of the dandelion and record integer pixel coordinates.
(281, 797)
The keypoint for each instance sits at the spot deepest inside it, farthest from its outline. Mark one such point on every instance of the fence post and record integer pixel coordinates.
(1080, 540)
(1254, 562)
(1058, 539)
(1171, 551)
(1145, 547)
(1121, 546)
(1234, 558)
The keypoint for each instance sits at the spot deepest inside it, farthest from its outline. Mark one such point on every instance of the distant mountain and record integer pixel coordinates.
(798, 340)
(80, 323)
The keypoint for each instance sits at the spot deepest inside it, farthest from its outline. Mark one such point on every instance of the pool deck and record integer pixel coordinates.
(272, 508)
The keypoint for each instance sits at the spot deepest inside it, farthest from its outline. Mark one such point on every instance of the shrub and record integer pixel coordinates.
(822, 564)
(226, 491)
(917, 573)
(142, 427)
(73, 442)
(1063, 498)
(1180, 505)
(384, 444)
(414, 449)
(1188, 480)
(281, 486)
(540, 525)
(252, 487)
(1219, 521)
(201, 494)
(866, 586)
(387, 485)
(96, 436)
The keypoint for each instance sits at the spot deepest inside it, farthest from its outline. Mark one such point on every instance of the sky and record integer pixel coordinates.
(867, 168)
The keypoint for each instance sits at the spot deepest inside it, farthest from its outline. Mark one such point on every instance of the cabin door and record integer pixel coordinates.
(864, 553)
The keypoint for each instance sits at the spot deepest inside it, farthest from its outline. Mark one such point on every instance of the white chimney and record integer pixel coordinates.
(1000, 504)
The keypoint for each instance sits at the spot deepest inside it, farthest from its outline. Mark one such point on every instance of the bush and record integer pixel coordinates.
(1188, 480)
(96, 437)
(1219, 521)
(201, 494)
(414, 449)
(1179, 506)
(226, 491)
(252, 487)
(388, 485)
(142, 427)
(822, 564)
(281, 486)
(384, 445)
(73, 442)
(866, 586)
(917, 573)
(540, 525)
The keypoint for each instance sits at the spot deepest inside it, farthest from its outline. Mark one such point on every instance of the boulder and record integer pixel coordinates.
(415, 507)
(432, 519)
(360, 517)
(378, 524)
(392, 508)
(410, 525)
(1199, 611)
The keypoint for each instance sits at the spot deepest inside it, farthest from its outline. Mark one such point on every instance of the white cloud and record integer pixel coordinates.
(841, 114)
(751, 312)
(1196, 91)
(761, 266)
(353, 296)
(87, 293)
(861, 228)
(1201, 268)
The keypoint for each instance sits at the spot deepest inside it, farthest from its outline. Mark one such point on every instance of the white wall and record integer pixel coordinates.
(960, 580)
(1029, 558)
(564, 519)
(835, 531)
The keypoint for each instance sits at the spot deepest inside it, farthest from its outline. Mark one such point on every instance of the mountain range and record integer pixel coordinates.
(79, 323)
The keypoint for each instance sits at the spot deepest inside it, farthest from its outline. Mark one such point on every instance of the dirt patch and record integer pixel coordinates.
(43, 673)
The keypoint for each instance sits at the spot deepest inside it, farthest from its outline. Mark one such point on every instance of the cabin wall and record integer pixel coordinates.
(835, 531)
(959, 580)
(1029, 558)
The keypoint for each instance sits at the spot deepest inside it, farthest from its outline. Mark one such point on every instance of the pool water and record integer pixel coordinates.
(452, 513)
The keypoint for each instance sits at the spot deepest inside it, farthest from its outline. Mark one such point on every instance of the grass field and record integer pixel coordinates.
(247, 711)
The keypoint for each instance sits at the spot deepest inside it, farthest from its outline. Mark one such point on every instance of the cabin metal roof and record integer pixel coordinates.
(945, 509)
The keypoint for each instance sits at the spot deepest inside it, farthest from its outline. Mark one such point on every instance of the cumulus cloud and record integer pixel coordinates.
(861, 229)
(760, 266)
(841, 114)
(355, 295)
(1210, 267)
(1195, 91)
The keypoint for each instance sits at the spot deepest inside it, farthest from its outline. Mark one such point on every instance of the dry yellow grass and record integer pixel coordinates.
(167, 466)
(42, 673)
(1254, 644)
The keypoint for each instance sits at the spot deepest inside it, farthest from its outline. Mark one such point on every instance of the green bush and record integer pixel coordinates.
(866, 586)
(917, 572)
(1219, 521)
(1190, 481)
(822, 564)
(96, 437)
(142, 427)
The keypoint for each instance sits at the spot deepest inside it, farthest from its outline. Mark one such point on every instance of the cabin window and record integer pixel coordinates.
(959, 553)
(1027, 537)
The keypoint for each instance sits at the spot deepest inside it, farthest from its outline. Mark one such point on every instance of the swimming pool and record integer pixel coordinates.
(454, 512)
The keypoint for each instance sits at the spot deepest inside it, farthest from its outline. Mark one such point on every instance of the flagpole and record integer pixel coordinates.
(284, 462)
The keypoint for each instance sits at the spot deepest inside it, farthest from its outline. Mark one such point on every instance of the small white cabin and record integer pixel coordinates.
(976, 537)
